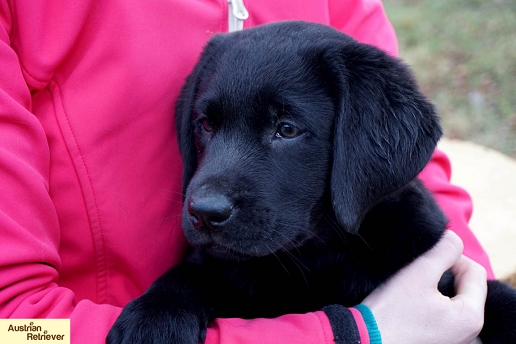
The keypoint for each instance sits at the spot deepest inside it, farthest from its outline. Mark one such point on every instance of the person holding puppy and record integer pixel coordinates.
(91, 173)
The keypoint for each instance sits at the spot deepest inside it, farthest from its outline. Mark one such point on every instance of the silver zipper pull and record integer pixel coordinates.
(237, 14)
(239, 10)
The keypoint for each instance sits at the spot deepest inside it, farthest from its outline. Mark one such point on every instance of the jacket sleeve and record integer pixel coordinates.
(456, 204)
(29, 259)
(293, 328)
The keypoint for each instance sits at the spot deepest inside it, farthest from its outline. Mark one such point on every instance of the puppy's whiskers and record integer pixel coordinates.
(336, 227)
(365, 242)
(288, 239)
(177, 193)
(174, 200)
(242, 263)
(274, 253)
(301, 229)
(296, 262)
(339, 232)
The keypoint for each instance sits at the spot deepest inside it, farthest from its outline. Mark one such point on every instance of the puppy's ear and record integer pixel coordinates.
(185, 107)
(385, 129)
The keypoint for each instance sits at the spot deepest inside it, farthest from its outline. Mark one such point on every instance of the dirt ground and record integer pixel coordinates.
(490, 179)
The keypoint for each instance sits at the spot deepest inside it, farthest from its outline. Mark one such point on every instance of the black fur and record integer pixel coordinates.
(301, 149)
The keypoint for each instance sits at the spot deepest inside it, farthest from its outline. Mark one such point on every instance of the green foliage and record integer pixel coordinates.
(463, 53)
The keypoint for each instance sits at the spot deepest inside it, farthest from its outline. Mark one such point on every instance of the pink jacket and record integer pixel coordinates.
(89, 167)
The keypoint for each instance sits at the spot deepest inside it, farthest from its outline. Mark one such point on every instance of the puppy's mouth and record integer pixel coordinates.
(227, 253)
(236, 252)
(246, 252)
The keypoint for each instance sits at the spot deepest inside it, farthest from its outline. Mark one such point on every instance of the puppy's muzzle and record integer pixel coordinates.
(209, 212)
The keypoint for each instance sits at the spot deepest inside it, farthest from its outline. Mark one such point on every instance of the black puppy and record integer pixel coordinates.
(300, 149)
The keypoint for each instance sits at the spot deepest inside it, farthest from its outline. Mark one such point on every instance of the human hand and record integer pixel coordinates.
(410, 309)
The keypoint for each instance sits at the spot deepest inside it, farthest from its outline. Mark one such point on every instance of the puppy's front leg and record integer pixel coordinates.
(172, 310)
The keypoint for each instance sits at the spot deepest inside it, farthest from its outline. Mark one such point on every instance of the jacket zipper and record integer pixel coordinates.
(237, 13)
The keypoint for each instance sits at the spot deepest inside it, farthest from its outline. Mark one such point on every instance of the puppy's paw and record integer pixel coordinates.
(500, 314)
(147, 321)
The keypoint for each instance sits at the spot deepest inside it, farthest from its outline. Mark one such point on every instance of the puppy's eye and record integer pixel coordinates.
(287, 131)
(206, 125)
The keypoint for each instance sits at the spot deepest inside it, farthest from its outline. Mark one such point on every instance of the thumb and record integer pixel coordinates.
(441, 257)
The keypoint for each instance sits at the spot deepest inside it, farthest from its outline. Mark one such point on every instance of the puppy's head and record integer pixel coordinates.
(280, 122)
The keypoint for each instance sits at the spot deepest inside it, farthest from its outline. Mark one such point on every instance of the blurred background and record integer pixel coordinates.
(463, 53)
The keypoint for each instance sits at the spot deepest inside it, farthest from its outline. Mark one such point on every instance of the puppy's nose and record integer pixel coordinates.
(209, 212)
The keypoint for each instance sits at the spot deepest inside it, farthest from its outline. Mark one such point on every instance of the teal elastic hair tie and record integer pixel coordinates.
(372, 327)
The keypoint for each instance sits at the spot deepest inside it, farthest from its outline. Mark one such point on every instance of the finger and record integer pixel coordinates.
(441, 257)
(471, 287)
(470, 283)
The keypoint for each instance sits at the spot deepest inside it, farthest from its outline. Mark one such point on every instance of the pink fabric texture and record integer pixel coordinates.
(89, 165)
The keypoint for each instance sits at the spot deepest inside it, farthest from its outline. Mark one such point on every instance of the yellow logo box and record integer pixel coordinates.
(18, 331)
